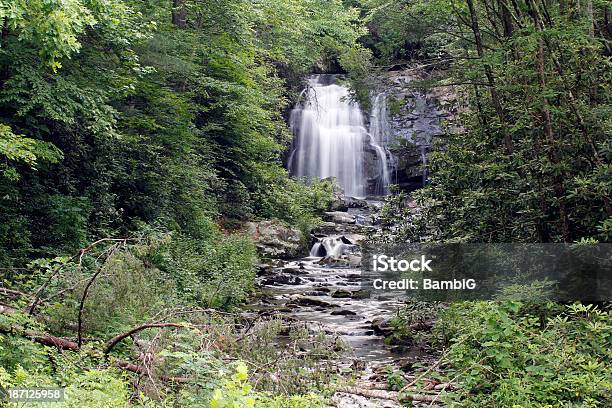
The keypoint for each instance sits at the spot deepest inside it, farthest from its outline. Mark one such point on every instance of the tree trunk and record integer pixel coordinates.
(179, 13)
(591, 18)
(549, 132)
(490, 78)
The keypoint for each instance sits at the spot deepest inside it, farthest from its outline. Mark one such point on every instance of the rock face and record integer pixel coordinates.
(275, 240)
(409, 120)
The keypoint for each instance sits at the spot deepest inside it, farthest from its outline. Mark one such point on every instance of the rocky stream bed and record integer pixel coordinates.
(323, 291)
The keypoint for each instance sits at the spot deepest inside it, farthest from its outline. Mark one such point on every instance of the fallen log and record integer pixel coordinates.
(65, 344)
(41, 338)
(387, 395)
(12, 293)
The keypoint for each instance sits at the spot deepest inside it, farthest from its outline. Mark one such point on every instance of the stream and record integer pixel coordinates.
(323, 291)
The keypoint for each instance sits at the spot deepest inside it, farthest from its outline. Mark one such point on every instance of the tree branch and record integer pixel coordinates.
(115, 340)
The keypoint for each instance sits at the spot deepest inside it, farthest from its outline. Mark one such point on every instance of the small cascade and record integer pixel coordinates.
(333, 246)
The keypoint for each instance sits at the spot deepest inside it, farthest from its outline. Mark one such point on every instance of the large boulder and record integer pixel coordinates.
(339, 217)
(274, 239)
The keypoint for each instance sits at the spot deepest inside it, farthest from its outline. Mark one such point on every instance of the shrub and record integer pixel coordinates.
(505, 355)
(236, 392)
(295, 201)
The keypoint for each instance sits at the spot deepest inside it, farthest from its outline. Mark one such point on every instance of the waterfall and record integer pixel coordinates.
(333, 246)
(380, 130)
(329, 136)
(331, 140)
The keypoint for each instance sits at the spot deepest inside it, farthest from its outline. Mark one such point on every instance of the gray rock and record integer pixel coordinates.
(273, 239)
(343, 312)
(308, 301)
(339, 217)
(382, 326)
(342, 293)
(283, 279)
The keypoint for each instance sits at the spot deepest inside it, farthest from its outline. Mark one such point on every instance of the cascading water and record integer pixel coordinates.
(333, 246)
(330, 136)
(380, 130)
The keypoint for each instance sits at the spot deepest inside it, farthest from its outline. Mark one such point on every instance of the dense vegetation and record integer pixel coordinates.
(137, 137)
(526, 159)
(532, 160)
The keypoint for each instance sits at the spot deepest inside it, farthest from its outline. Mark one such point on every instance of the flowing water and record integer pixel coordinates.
(324, 289)
(380, 132)
(331, 139)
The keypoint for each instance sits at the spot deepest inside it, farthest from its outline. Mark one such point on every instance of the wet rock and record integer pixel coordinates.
(339, 217)
(275, 240)
(352, 202)
(360, 294)
(342, 293)
(400, 349)
(283, 279)
(355, 239)
(316, 293)
(308, 301)
(344, 240)
(325, 228)
(295, 271)
(264, 269)
(343, 312)
(339, 204)
(330, 260)
(382, 327)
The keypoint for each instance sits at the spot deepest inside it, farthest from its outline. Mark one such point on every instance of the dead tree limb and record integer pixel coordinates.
(140, 369)
(115, 340)
(57, 270)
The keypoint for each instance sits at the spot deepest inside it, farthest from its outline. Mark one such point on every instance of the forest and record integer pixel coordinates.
(185, 186)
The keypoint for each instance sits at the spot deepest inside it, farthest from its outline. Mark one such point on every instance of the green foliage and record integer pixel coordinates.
(295, 201)
(18, 148)
(216, 271)
(161, 122)
(154, 122)
(402, 30)
(527, 159)
(504, 354)
(237, 392)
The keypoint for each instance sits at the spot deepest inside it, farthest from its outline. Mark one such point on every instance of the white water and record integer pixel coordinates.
(330, 137)
(380, 130)
(333, 246)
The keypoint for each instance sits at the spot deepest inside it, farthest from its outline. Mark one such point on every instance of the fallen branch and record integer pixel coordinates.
(42, 338)
(386, 395)
(12, 293)
(138, 369)
(79, 255)
(113, 342)
(64, 344)
(7, 309)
